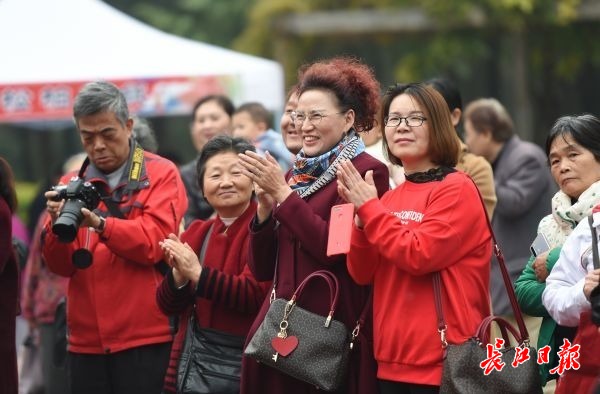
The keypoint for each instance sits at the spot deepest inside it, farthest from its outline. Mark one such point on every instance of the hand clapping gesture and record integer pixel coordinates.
(182, 258)
(269, 181)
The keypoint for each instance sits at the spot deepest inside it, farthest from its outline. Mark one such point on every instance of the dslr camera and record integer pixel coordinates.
(77, 194)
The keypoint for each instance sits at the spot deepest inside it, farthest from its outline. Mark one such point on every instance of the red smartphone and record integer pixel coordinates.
(340, 229)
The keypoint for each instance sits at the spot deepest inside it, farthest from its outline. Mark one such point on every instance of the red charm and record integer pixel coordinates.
(284, 346)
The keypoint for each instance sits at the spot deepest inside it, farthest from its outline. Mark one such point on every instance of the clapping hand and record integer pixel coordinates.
(182, 258)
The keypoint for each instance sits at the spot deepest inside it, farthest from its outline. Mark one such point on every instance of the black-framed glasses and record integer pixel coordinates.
(411, 120)
(313, 118)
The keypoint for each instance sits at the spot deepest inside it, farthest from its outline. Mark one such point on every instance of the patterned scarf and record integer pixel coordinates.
(309, 174)
(566, 215)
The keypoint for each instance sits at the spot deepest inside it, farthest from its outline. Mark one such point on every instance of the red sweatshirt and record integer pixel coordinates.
(412, 232)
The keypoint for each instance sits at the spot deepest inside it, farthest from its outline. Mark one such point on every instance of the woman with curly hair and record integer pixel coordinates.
(336, 99)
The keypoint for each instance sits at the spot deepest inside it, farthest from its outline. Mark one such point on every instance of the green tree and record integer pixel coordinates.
(214, 22)
(538, 56)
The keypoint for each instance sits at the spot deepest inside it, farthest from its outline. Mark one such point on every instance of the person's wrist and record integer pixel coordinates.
(180, 287)
(263, 213)
(101, 225)
(178, 279)
(282, 194)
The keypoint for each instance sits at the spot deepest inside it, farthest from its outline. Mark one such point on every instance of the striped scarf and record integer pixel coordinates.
(310, 174)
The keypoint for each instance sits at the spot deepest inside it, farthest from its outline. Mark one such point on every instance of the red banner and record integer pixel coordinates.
(146, 97)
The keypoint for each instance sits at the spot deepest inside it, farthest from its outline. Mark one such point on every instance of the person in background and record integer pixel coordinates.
(573, 151)
(119, 340)
(144, 134)
(524, 188)
(401, 242)
(291, 136)
(477, 167)
(9, 282)
(221, 287)
(336, 99)
(20, 231)
(568, 299)
(41, 292)
(211, 116)
(252, 121)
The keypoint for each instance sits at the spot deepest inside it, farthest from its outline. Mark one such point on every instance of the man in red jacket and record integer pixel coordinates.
(119, 340)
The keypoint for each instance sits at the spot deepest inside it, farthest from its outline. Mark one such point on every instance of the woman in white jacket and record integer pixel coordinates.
(571, 281)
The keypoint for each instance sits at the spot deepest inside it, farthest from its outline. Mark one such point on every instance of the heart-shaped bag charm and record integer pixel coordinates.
(284, 346)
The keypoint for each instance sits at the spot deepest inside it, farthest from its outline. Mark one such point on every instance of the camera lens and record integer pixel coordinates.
(68, 222)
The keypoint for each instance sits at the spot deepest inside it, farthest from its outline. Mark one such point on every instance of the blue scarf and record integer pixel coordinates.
(309, 174)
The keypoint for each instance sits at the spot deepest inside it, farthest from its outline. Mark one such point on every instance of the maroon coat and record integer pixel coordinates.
(302, 238)
(9, 278)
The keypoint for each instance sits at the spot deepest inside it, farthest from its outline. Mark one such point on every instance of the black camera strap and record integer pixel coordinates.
(115, 211)
(594, 242)
(111, 205)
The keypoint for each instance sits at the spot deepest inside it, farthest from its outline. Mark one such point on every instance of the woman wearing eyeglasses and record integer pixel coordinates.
(336, 99)
(432, 223)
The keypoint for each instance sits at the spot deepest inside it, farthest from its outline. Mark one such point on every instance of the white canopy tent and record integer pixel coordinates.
(67, 41)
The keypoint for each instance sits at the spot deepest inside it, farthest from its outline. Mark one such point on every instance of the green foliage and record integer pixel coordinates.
(452, 50)
(215, 22)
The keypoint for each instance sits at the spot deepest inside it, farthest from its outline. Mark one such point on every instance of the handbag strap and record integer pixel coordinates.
(332, 282)
(594, 242)
(437, 286)
(205, 245)
(273, 295)
(437, 295)
(201, 259)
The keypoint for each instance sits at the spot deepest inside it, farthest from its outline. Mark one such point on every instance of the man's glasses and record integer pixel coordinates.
(411, 121)
(314, 118)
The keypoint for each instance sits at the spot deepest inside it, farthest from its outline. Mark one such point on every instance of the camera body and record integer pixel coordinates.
(77, 194)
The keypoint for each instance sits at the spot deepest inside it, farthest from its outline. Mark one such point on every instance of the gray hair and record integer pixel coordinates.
(144, 135)
(100, 96)
(74, 162)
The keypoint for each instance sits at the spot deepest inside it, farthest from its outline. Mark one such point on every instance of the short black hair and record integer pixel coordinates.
(220, 144)
(258, 113)
(449, 92)
(585, 130)
(222, 100)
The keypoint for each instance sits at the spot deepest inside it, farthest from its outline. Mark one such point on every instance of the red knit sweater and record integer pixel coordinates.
(227, 295)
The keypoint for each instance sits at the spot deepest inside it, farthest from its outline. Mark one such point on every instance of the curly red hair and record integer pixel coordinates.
(352, 82)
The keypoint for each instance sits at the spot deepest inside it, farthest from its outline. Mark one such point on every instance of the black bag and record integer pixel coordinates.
(302, 344)
(210, 362)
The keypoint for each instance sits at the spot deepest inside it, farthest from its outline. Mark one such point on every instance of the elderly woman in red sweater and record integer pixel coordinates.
(210, 260)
